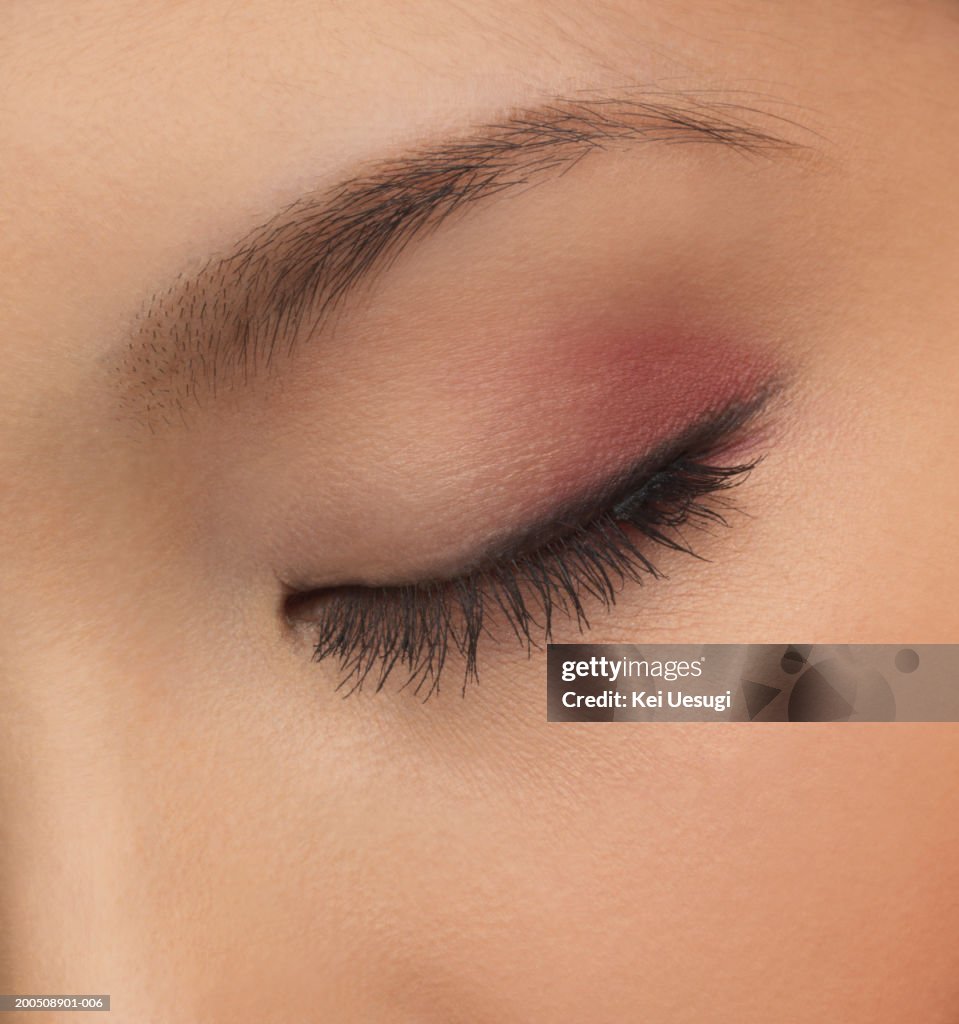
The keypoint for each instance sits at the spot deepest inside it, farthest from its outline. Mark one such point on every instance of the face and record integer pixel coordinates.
(321, 320)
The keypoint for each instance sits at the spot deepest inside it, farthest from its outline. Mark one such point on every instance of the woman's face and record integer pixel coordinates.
(304, 300)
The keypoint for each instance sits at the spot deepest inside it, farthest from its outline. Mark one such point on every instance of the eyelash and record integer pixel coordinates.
(373, 630)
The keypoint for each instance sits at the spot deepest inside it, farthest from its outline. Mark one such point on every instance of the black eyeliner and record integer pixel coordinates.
(715, 431)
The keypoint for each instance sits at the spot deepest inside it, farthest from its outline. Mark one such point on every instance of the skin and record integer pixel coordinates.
(192, 819)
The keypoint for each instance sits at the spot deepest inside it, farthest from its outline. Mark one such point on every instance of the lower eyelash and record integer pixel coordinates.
(416, 628)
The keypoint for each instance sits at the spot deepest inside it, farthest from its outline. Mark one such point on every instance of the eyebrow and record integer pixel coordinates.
(243, 311)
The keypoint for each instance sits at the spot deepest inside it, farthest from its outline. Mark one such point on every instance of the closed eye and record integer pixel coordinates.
(577, 561)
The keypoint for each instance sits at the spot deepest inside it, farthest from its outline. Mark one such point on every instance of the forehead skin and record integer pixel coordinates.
(191, 819)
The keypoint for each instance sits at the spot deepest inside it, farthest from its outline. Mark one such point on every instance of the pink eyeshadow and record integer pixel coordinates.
(616, 396)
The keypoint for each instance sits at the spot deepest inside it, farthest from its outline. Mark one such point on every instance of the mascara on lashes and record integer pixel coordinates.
(585, 553)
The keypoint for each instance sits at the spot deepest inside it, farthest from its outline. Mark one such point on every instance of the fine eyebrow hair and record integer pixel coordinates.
(244, 310)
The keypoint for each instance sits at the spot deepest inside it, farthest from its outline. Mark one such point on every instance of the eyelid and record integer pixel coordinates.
(715, 431)
(584, 553)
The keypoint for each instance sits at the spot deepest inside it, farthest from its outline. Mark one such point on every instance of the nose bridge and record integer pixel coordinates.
(63, 846)
(108, 682)
(53, 787)
(69, 778)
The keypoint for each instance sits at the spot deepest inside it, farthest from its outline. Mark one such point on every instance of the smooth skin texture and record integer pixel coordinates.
(192, 818)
